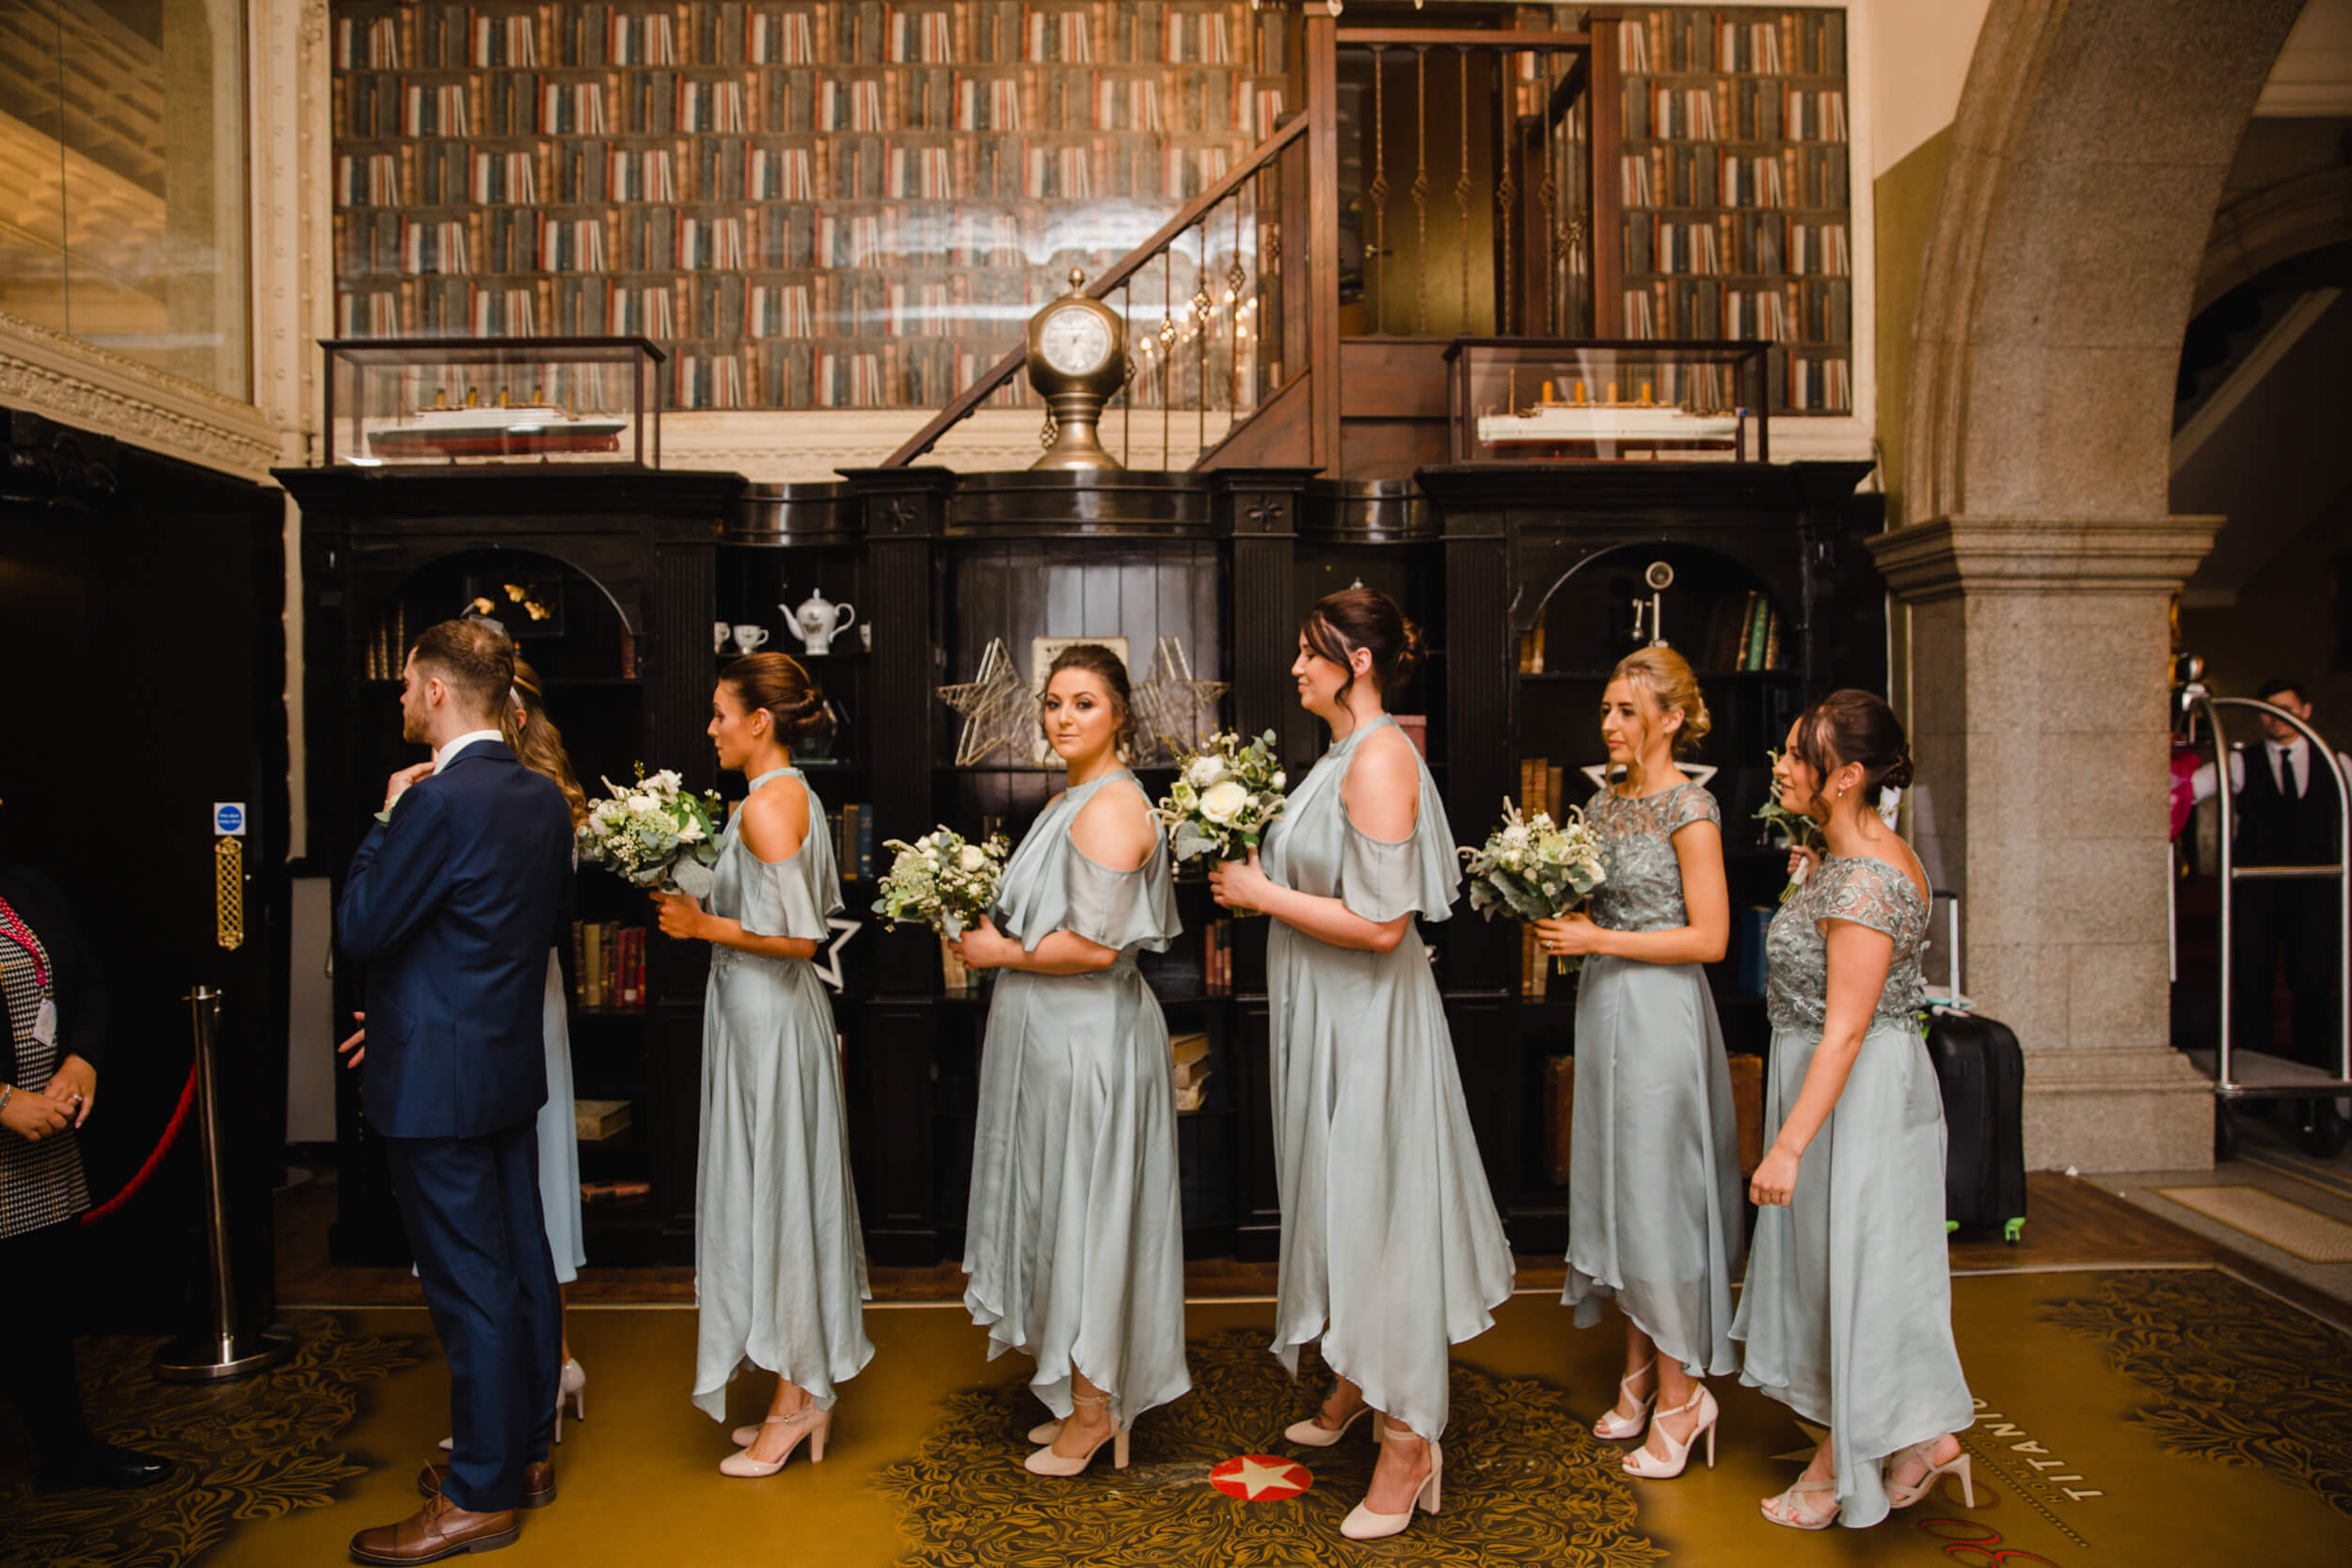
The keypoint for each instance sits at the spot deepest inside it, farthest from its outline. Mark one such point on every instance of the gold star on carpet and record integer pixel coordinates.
(1000, 710)
(1176, 711)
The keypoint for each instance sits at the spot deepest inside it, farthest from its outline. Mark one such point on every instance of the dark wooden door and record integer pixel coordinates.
(141, 629)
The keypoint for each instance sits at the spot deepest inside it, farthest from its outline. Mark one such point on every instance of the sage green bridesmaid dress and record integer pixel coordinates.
(1075, 1243)
(779, 1259)
(1391, 1248)
(1654, 1214)
(1847, 1314)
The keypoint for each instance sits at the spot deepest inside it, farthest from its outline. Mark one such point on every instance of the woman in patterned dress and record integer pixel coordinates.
(1847, 1315)
(1654, 1214)
(52, 1033)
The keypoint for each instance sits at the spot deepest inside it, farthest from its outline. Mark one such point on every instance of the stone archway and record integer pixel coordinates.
(2038, 558)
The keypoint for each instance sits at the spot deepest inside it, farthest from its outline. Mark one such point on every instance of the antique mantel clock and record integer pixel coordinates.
(1077, 362)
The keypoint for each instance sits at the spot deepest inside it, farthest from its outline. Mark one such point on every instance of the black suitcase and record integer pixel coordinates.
(1981, 1073)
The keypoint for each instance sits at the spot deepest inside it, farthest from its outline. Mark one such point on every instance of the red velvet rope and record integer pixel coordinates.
(155, 1162)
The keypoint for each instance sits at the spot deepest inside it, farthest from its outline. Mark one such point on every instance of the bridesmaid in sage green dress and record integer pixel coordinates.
(779, 1260)
(1847, 1316)
(1654, 1216)
(1076, 1242)
(1391, 1248)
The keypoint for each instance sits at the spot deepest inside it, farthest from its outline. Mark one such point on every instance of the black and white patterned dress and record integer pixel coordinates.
(40, 1184)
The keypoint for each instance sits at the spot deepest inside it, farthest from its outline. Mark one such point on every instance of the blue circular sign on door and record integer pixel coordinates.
(229, 819)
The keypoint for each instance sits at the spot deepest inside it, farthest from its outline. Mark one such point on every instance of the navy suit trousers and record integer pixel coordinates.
(471, 1209)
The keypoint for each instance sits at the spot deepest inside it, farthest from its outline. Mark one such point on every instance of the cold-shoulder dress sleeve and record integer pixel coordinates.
(1115, 908)
(794, 896)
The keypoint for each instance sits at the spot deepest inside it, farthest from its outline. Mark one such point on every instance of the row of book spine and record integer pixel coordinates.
(1663, 175)
(608, 964)
(852, 828)
(1216, 956)
(454, 36)
(1733, 111)
(1800, 311)
(1742, 244)
(908, 99)
(1747, 638)
(1743, 41)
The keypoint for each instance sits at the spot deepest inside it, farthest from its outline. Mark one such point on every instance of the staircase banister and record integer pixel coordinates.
(1132, 262)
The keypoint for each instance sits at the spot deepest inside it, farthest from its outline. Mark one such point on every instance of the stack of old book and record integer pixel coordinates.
(1190, 1054)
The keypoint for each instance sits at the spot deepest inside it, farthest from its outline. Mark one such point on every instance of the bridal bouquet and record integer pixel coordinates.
(1788, 829)
(1225, 797)
(1535, 868)
(655, 833)
(940, 880)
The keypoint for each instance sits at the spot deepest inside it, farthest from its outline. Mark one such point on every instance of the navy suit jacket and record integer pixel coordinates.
(452, 906)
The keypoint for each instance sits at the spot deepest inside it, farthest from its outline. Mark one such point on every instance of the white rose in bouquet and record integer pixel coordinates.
(1223, 801)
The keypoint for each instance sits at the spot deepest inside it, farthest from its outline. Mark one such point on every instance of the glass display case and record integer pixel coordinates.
(493, 400)
(1520, 400)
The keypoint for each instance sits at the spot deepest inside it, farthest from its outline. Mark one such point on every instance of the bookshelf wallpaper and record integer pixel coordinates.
(835, 204)
(1734, 185)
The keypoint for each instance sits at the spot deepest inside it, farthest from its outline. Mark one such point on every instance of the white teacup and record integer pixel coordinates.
(720, 631)
(748, 637)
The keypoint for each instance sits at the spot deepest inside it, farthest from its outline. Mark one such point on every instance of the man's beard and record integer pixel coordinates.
(411, 730)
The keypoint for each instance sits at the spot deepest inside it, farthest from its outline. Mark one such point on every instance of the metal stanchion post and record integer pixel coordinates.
(223, 1351)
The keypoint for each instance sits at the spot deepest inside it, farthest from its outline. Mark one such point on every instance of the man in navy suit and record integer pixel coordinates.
(452, 903)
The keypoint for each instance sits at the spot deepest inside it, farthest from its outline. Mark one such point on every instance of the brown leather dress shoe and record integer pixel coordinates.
(440, 1529)
(538, 1482)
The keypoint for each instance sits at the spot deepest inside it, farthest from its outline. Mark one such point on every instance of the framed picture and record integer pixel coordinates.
(1043, 652)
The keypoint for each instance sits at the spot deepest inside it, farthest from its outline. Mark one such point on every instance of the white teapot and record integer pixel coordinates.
(818, 620)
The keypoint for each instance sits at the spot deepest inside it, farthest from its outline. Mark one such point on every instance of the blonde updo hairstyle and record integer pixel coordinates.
(1665, 675)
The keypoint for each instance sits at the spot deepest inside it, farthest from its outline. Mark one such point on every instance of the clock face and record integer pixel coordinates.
(1075, 340)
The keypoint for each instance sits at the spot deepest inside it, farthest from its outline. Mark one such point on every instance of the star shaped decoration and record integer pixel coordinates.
(1177, 711)
(1000, 710)
(1261, 1477)
(830, 971)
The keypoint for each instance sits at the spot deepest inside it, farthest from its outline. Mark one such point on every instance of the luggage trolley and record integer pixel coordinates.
(2239, 1074)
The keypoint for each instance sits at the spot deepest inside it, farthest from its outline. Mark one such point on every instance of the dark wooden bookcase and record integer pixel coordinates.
(937, 563)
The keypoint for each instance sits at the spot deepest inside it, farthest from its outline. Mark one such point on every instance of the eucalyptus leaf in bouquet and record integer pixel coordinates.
(1533, 868)
(655, 833)
(942, 879)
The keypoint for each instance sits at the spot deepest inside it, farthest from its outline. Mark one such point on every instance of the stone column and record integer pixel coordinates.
(2037, 720)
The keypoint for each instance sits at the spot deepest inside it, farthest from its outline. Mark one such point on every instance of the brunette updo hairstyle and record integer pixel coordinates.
(1666, 676)
(778, 683)
(1856, 726)
(1098, 661)
(1361, 617)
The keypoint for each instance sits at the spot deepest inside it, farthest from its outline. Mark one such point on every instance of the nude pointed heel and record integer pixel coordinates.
(1045, 1462)
(1647, 1465)
(1614, 1428)
(1362, 1524)
(813, 1424)
(571, 1385)
(1313, 1434)
(1903, 1496)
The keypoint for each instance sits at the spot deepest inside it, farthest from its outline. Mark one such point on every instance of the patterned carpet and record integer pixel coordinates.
(2140, 1416)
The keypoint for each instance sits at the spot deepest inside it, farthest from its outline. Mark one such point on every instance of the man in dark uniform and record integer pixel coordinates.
(2288, 814)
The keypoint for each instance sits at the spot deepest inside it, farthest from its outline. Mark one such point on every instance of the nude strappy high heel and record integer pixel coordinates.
(1786, 1509)
(1903, 1496)
(1614, 1428)
(809, 1422)
(1362, 1524)
(1649, 1466)
(1045, 1462)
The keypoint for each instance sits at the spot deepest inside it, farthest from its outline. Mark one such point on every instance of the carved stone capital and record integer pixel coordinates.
(1952, 557)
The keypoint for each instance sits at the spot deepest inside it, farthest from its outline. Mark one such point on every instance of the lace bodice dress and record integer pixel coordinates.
(1654, 1216)
(1847, 1317)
